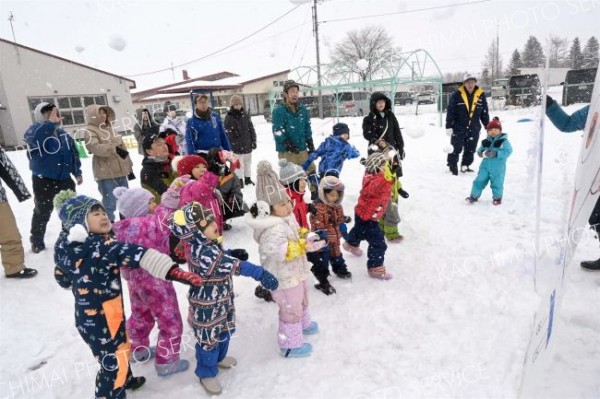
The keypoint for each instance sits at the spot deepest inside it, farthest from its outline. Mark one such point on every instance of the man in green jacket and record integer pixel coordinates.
(292, 132)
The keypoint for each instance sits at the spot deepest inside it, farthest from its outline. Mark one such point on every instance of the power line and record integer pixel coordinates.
(404, 12)
(217, 51)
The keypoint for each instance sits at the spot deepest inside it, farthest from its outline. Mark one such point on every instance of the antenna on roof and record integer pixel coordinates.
(11, 18)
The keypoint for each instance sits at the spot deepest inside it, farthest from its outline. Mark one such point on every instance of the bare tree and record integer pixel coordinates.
(493, 61)
(558, 52)
(372, 44)
(451, 77)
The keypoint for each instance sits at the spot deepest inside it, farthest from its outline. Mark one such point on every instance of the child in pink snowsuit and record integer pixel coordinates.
(152, 299)
(195, 183)
(283, 246)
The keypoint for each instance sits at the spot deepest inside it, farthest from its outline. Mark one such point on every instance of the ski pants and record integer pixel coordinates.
(463, 139)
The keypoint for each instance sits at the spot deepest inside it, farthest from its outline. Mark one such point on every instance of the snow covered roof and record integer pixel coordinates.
(163, 96)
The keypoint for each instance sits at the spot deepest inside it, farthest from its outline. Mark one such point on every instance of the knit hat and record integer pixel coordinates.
(72, 208)
(469, 76)
(132, 202)
(268, 187)
(340, 128)
(235, 99)
(494, 124)
(184, 165)
(331, 183)
(289, 172)
(288, 84)
(374, 162)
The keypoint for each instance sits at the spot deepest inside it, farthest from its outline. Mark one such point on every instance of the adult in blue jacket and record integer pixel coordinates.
(53, 159)
(568, 124)
(467, 110)
(204, 130)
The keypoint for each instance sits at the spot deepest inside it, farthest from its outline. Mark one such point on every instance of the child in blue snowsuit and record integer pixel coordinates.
(333, 152)
(496, 149)
(88, 261)
(212, 312)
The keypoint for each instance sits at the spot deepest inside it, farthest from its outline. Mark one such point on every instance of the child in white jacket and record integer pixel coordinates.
(283, 246)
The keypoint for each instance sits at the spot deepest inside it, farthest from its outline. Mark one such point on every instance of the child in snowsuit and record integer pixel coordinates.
(333, 152)
(496, 149)
(329, 216)
(283, 249)
(156, 175)
(88, 261)
(151, 299)
(213, 311)
(196, 183)
(230, 186)
(372, 202)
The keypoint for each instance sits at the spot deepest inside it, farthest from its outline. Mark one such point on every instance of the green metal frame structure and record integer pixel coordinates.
(414, 67)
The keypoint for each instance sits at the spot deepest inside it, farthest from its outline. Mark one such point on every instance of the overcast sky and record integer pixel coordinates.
(134, 37)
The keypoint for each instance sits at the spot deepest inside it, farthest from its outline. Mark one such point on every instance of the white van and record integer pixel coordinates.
(353, 103)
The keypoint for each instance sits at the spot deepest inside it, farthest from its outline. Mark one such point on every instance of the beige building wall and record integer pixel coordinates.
(26, 73)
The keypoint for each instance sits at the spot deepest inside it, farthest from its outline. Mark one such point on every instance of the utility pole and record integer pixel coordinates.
(497, 51)
(172, 71)
(11, 19)
(316, 33)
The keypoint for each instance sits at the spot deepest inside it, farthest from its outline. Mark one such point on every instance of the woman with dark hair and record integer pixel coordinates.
(145, 126)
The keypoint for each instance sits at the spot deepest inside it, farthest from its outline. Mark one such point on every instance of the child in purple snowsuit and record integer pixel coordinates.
(151, 299)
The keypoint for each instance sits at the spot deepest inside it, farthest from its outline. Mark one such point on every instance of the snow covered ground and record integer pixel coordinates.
(453, 323)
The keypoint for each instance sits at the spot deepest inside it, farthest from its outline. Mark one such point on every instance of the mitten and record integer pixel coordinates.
(347, 219)
(498, 143)
(254, 145)
(123, 153)
(251, 270)
(181, 276)
(402, 193)
(217, 168)
(239, 253)
(290, 147)
(449, 132)
(295, 249)
(310, 145)
(344, 231)
(491, 154)
(486, 143)
(131, 176)
(322, 234)
(269, 281)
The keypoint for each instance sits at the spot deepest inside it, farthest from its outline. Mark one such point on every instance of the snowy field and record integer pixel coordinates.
(453, 323)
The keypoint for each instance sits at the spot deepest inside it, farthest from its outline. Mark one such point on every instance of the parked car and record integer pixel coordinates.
(447, 90)
(499, 88)
(403, 98)
(352, 103)
(578, 86)
(426, 97)
(524, 90)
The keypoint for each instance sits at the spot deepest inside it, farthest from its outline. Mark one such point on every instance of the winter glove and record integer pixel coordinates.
(549, 101)
(131, 176)
(322, 234)
(269, 281)
(312, 208)
(239, 253)
(290, 147)
(258, 273)
(181, 276)
(306, 165)
(123, 153)
(498, 143)
(491, 154)
(344, 231)
(310, 145)
(398, 170)
(486, 143)
(314, 242)
(449, 132)
(402, 193)
(254, 146)
(217, 168)
(480, 153)
(295, 249)
(347, 219)
(402, 155)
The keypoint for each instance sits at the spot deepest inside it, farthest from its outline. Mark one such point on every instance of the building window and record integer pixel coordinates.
(71, 107)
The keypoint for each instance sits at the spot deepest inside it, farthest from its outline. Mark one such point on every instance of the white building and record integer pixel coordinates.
(29, 76)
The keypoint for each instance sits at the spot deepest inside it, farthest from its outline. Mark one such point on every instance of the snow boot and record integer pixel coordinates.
(471, 200)
(343, 274)
(135, 382)
(37, 244)
(263, 293)
(591, 265)
(453, 169)
(403, 193)
(497, 201)
(356, 251)
(228, 362)
(312, 329)
(323, 284)
(465, 169)
(302, 351)
(379, 273)
(142, 354)
(164, 370)
(25, 273)
(248, 181)
(396, 240)
(211, 385)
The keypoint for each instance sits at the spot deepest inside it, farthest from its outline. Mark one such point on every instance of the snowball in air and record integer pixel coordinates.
(448, 149)
(79, 49)
(117, 42)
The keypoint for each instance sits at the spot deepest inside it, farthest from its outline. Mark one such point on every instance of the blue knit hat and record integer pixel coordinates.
(72, 208)
(340, 128)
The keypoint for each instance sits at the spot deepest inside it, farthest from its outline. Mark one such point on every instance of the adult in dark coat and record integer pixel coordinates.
(145, 126)
(381, 124)
(242, 137)
(466, 108)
